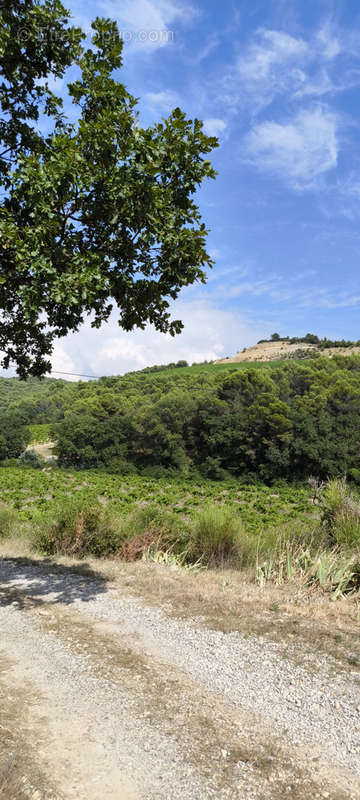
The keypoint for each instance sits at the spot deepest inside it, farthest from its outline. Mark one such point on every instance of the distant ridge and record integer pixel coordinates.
(284, 349)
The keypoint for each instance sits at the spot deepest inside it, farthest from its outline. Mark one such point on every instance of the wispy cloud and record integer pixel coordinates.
(342, 197)
(214, 126)
(208, 48)
(274, 288)
(277, 64)
(164, 101)
(148, 24)
(328, 42)
(279, 290)
(272, 64)
(271, 50)
(330, 299)
(145, 25)
(299, 150)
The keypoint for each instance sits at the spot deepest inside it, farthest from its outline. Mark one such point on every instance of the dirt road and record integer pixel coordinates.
(105, 698)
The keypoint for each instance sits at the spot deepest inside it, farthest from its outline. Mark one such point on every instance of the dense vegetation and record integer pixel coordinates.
(311, 535)
(284, 420)
(146, 445)
(14, 436)
(30, 491)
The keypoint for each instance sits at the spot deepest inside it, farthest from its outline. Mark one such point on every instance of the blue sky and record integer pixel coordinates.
(279, 83)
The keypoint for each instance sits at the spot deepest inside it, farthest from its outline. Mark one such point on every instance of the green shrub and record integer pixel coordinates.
(217, 537)
(119, 466)
(151, 529)
(211, 468)
(341, 514)
(355, 475)
(78, 528)
(155, 527)
(30, 458)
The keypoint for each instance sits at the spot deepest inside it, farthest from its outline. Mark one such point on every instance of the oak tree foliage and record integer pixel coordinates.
(95, 214)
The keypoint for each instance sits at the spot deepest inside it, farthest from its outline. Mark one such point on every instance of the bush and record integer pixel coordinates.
(30, 458)
(341, 514)
(40, 434)
(119, 466)
(151, 528)
(211, 468)
(78, 528)
(14, 435)
(217, 537)
(355, 475)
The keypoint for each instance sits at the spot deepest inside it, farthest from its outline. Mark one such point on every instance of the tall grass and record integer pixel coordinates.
(10, 523)
(151, 530)
(217, 538)
(341, 514)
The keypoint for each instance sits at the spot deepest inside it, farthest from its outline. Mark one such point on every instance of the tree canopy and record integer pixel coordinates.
(282, 421)
(94, 214)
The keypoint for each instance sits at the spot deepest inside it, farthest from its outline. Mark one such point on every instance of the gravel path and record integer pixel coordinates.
(134, 704)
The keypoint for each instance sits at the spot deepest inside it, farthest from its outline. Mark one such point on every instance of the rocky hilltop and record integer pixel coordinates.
(283, 349)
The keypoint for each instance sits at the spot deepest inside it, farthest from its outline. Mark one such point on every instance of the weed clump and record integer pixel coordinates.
(152, 529)
(217, 538)
(78, 528)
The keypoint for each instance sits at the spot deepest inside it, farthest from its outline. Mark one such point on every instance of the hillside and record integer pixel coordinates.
(285, 349)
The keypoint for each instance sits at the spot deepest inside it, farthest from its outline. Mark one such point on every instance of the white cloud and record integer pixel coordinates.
(336, 298)
(276, 64)
(299, 150)
(214, 126)
(147, 24)
(328, 43)
(316, 86)
(62, 361)
(273, 49)
(209, 333)
(342, 198)
(205, 51)
(162, 101)
(270, 65)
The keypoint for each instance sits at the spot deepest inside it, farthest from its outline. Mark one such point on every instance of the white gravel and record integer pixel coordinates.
(317, 712)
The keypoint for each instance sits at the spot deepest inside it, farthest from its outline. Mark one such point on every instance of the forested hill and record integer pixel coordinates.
(267, 421)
